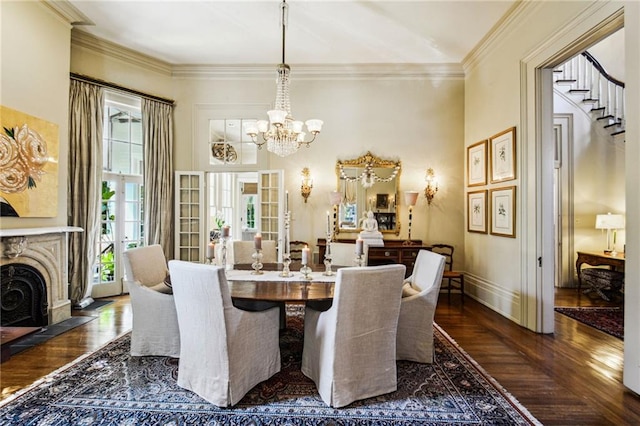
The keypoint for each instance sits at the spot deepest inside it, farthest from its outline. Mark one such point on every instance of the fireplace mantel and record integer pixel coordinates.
(19, 232)
(46, 249)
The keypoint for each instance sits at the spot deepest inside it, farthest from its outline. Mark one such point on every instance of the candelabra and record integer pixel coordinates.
(223, 253)
(257, 262)
(327, 257)
(286, 256)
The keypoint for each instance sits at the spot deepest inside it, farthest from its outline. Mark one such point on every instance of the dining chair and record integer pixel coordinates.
(295, 250)
(244, 250)
(155, 323)
(417, 308)
(350, 349)
(344, 254)
(224, 351)
(455, 279)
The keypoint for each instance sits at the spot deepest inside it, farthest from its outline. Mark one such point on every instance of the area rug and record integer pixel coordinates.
(97, 304)
(608, 320)
(108, 387)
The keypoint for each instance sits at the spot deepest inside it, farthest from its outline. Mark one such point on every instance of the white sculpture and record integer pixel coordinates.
(370, 233)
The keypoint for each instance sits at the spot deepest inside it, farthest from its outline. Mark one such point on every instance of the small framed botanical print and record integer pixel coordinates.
(477, 164)
(503, 211)
(477, 211)
(503, 155)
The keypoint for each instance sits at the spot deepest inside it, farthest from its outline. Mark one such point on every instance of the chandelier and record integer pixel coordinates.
(282, 134)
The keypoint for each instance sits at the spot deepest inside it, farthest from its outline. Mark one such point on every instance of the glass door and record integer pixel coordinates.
(121, 228)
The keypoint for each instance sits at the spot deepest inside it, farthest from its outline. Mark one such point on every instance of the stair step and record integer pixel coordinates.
(597, 109)
(579, 90)
(617, 123)
(590, 100)
(605, 117)
(619, 132)
(563, 81)
(558, 71)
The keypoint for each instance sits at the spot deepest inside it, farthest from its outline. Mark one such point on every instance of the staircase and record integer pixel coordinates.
(594, 90)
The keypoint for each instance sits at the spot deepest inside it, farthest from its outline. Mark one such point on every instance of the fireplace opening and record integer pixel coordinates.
(23, 296)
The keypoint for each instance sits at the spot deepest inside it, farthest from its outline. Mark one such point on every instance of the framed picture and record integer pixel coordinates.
(477, 164)
(477, 211)
(503, 211)
(382, 201)
(503, 155)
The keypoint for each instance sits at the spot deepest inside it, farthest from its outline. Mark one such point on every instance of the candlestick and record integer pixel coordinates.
(257, 262)
(225, 231)
(211, 251)
(286, 201)
(328, 223)
(257, 241)
(305, 270)
(327, 258)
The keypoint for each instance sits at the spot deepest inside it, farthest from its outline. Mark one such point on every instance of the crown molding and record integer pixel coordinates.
(489, 42)
(68, 12)
(84, 40)
(322, 71)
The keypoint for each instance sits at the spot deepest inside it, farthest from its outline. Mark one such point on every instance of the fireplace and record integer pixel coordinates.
(23, 296)
(35, 286)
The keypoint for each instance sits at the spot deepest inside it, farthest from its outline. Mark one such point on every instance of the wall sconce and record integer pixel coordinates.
(307, 184)
(410, 199)
(432, 185)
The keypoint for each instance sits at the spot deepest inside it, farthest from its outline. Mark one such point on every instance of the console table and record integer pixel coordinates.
(393, 252)
(598, 259)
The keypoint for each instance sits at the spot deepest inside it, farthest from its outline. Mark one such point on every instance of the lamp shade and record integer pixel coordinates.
(609, 221)
(335, 198)
(411, 197)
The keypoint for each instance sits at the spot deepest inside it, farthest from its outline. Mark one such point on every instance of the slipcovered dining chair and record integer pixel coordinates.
(244, 250)
(344, 254)
(350, 349)
(224, 351)
(155, 323)
(418, 307)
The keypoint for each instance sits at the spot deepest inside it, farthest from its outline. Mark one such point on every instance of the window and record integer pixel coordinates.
(229, 145)
(122, 215)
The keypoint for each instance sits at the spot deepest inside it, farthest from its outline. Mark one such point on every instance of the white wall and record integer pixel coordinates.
(418, 121)
(35, 80)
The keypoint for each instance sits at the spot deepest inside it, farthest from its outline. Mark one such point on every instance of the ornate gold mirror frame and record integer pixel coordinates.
(368, 183)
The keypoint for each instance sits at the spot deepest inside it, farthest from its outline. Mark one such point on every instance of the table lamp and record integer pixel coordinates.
(610, 222)
(410, 199)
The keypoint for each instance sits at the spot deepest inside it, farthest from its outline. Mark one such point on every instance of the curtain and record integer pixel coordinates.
(157, 130)
(86, 104)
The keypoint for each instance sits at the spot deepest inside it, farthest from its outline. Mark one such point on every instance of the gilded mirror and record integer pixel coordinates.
(368, 183)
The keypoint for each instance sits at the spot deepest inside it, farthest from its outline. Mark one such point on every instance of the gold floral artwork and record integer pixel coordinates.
(28, 166)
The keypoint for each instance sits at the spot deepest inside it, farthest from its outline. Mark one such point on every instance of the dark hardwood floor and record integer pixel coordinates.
(572, 377)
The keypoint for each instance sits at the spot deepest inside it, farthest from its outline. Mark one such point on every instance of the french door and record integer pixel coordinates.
(122, 227)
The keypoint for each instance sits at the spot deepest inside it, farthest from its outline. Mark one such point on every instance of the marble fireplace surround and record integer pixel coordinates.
(47, 250)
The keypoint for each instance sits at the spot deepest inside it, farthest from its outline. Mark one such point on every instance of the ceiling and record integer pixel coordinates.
(182, 32)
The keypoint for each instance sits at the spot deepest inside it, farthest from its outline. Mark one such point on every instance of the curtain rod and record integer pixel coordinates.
(120, 88)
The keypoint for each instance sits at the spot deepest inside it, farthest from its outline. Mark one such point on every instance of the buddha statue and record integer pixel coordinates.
(370, 233)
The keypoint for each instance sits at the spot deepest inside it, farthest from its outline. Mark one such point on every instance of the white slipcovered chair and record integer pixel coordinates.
(224, 351)
(418, 307)
(155, 324)
(344, 254)
(244, 250)
(350, 349)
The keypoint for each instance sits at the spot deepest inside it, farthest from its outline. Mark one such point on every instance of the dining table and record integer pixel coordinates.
(270, 286)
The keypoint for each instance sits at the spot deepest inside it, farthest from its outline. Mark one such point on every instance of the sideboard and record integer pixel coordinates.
(394, 251)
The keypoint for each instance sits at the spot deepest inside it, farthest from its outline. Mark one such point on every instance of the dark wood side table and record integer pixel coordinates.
(598, 259)
(394, 251)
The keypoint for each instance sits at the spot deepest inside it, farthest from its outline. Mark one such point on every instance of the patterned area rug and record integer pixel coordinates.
(109, 387)
(609, 320)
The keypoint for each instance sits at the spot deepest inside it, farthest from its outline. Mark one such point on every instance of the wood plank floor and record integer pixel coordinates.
(573, 377)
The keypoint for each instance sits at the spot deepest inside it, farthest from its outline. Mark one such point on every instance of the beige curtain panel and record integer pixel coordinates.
(86, 103)
(157, 130)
